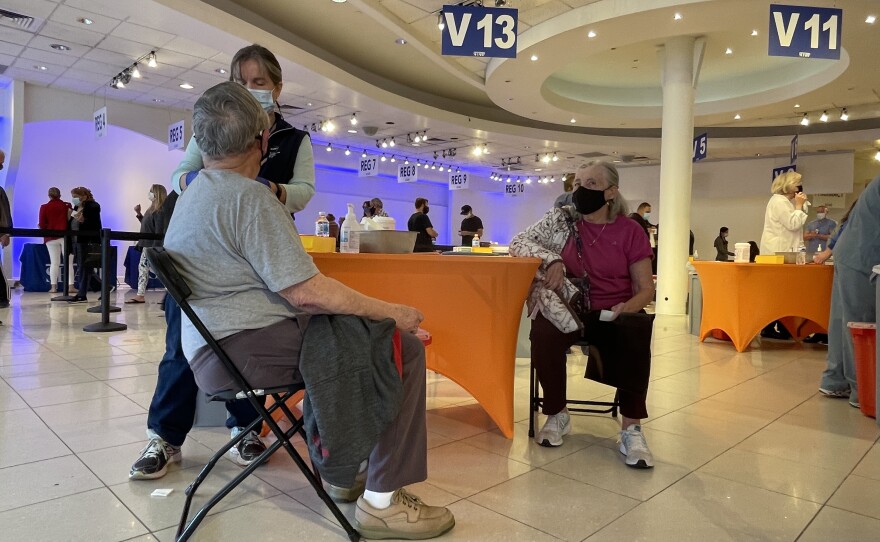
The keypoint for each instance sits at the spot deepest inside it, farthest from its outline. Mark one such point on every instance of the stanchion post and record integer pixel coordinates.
(105, 324)
(65, 272)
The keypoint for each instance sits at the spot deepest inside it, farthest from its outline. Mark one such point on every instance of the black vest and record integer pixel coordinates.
(284, 145)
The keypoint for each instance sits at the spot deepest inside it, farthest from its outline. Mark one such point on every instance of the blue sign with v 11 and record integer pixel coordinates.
(805, 32)
(479, 31)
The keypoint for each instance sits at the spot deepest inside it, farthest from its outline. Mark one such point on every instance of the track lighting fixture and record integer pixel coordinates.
(383, 158)
(135, 72)
(364, 154)
(555, 158)
(441, 24)
(391, 143)
(329, 148)
(151, 59)
(844, 116)
(824, 116)
(441, 168)
(384, 144)
(805, 121)
(354, 119)
(347, 151)
(393, 159)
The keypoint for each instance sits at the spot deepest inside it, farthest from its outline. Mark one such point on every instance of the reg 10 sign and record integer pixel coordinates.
(407, 173)
(479, 31)
(805, 32)
(369, 167)
(458, 181)
(514, 190)
(175, 136)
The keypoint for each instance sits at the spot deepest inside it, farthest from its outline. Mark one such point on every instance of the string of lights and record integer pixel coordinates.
(125, 76)
(844, 116)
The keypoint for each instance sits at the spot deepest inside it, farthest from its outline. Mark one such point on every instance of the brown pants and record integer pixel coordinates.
(270, 357)
(548, 358)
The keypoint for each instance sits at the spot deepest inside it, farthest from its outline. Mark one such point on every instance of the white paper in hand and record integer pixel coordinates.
(607, 316)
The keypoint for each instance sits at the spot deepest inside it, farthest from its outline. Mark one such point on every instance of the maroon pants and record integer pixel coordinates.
(548, 358)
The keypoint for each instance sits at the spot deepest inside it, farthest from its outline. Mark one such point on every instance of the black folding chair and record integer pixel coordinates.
(162, 264)
(536, 401)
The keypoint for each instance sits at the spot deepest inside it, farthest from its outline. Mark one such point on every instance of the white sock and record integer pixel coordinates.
(377, 499)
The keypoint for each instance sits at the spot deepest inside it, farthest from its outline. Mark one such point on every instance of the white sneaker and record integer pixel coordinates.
(556, 426)
(248, 449)
(634, 446)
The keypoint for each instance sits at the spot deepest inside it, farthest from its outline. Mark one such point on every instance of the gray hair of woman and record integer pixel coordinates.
(227, 120)
(617, 206)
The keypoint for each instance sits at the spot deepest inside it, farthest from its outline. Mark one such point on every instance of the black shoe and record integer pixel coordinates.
(248, 448)
(78, 299)
(154, 459)
(817, 338)
(4, 305)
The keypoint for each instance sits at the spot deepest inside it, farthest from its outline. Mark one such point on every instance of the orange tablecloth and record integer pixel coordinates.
(472, 307)
(741, 298)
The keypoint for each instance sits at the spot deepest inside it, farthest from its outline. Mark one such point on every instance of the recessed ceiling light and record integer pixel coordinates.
(534, 58)
(737, 117)
(84, 20)
(728, 51)
(400, 41)
(338, 1)
(573, 120)
(677, 17)
(158, 100)
(757, 154)
(222, 71)
(186, 86)
(797, 106)
(754, 32)
(309, 104)
(60, 47)
(591, 34)
(352, 131)
(40, 67)
(871, 19)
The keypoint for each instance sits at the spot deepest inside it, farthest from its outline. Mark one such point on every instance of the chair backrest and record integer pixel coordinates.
(179, 290)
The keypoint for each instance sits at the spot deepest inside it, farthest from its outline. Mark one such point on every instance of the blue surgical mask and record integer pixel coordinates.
(265, 99)
(647, 216)
(820, 216)
(74, 201)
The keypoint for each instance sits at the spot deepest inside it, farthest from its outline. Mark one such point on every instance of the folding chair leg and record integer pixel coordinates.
(533, 399)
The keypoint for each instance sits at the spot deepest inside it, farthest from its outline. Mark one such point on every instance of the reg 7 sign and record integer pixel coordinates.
(806, 32)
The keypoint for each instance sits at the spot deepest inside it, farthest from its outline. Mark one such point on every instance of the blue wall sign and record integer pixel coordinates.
(793, 154)
(803, 31)
(701, 147)
(777, 171)
(479, 31)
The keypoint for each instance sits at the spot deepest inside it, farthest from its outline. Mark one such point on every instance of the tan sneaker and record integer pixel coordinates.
(407, 518)
(348, 494)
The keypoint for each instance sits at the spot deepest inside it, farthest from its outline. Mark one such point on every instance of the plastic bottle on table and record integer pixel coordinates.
(801, 258)
(322, 225)
(349, 232)
(475, 242)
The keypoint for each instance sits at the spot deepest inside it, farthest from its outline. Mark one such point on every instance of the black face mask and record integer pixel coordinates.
(800, 188)
(588, 201)
(425, 209)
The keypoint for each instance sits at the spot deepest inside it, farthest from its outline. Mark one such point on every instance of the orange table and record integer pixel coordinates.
(742, 298)
(472, 307)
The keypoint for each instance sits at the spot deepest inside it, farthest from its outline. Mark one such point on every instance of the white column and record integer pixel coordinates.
(681, 57)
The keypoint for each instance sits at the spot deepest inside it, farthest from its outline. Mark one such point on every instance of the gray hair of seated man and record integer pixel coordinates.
(226, 120)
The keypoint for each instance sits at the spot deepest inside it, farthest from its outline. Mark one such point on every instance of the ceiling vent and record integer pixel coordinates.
(591, 155)
(19, 20)
(629, 158)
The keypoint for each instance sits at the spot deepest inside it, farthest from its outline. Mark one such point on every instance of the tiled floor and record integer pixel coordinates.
(745, 449)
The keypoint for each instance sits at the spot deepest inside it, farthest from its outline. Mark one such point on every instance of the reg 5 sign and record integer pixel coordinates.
(805, 32)
(175, 135)
(458, 181)
(479, 31)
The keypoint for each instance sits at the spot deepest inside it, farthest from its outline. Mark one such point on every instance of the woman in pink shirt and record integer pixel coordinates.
(594, 240)
(54, 216)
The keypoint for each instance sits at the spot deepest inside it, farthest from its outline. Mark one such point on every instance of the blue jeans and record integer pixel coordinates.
(852, 300)
(173, 408)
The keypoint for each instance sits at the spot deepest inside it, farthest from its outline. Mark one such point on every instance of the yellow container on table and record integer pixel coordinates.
(770, 258)
(482, 250)
(313, 243)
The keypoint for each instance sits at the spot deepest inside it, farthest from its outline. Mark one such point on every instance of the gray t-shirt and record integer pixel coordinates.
(236, 246)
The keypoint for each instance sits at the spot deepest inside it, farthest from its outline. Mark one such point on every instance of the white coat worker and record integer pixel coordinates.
(785, 216)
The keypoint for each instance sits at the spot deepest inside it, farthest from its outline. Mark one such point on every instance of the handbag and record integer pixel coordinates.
(92, 255)
(619, 350)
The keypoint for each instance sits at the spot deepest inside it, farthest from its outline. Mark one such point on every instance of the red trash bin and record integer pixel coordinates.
(864, 336)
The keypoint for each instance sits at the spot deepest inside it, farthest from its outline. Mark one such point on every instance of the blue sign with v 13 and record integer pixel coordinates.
(479, 31)
(805, 32)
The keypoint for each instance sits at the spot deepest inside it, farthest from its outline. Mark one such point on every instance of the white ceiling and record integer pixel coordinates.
(340, 59)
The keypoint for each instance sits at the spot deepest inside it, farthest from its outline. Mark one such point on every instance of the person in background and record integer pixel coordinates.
(368, 209)
(783, 228)
(642, 215)
(288, 172)
(721, 250)
(853, 299)
(568, 188)
(691, 244)
(592, 240)
(53, 216)
(5, 222)
(470, 226)
(419, 222)
(86, 213)
(818, 232)
(785, 216)
(754, 251)
(377, 207)
(151, 222)
(334, 227)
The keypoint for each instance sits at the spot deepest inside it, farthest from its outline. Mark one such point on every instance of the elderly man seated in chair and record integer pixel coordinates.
(259, 294)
